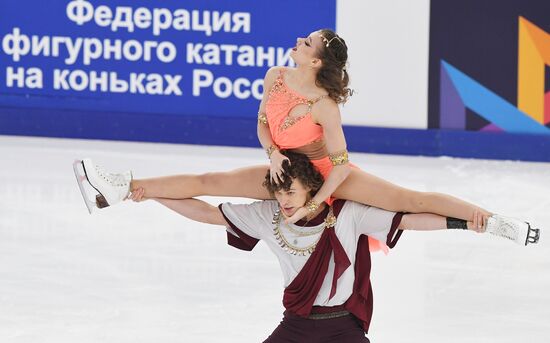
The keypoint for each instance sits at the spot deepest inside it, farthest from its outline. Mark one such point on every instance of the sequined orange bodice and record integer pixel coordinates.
(301, 133)
(290, 132)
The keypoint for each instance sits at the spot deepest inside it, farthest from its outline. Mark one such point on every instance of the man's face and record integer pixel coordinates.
(296, 196)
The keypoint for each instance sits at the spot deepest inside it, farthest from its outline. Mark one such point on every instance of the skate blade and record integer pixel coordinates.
(533, 235)
(80, 179)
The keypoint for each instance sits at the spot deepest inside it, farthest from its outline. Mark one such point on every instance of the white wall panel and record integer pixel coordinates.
(388, 43)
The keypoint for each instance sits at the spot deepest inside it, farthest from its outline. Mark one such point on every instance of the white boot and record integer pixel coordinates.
(513, 229)
(109, 188)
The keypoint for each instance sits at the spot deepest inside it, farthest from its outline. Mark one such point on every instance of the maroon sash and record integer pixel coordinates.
(301, 293)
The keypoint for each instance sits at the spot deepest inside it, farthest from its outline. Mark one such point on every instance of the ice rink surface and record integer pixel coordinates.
(141, 273)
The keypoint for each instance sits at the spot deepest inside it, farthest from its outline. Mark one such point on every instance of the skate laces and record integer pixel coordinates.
(507, 228)
(114, 179)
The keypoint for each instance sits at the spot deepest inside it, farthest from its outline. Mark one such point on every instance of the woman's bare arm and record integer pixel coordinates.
(328, 116)
(263, 132)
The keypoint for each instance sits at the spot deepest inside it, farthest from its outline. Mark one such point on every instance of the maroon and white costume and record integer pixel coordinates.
(336, 276)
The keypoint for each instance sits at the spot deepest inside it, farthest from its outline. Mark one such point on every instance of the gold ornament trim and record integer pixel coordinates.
(312, 206)
(339, 158)
(270, 150)
(283, 242)
(262, 118)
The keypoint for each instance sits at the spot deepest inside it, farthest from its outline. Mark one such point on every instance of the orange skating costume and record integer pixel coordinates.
(301, 134)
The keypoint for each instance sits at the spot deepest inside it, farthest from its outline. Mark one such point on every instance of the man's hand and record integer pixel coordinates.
(479, 222)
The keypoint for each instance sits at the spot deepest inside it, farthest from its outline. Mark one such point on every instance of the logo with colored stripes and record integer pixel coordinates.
(459, 92)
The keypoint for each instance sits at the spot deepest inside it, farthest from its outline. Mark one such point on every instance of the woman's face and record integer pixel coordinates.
(296, 196)
(306, 49)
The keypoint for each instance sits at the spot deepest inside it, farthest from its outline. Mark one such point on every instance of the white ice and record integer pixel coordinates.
(141, 273)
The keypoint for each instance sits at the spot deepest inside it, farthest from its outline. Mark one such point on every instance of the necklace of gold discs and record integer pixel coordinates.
(330, 221)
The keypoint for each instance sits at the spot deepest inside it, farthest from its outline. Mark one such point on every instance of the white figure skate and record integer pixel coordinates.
(108, 188)
(513, 229)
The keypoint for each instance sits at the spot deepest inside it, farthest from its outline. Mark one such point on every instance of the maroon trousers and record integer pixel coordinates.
(295, 329)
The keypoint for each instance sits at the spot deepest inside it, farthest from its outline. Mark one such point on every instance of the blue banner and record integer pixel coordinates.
(192, 58)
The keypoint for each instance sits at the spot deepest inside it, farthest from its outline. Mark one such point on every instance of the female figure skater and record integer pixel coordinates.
(299, 112)
(325, 260)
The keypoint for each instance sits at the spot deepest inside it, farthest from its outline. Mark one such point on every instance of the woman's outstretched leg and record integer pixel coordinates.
(101, 188)
(371, 190)
(242, 182)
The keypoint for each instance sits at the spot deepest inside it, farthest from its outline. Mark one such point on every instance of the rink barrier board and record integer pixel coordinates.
(204, 130)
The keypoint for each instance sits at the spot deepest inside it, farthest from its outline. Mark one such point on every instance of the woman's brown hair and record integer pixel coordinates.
(332, 75)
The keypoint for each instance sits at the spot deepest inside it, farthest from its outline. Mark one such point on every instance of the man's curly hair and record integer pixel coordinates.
(299, 168)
